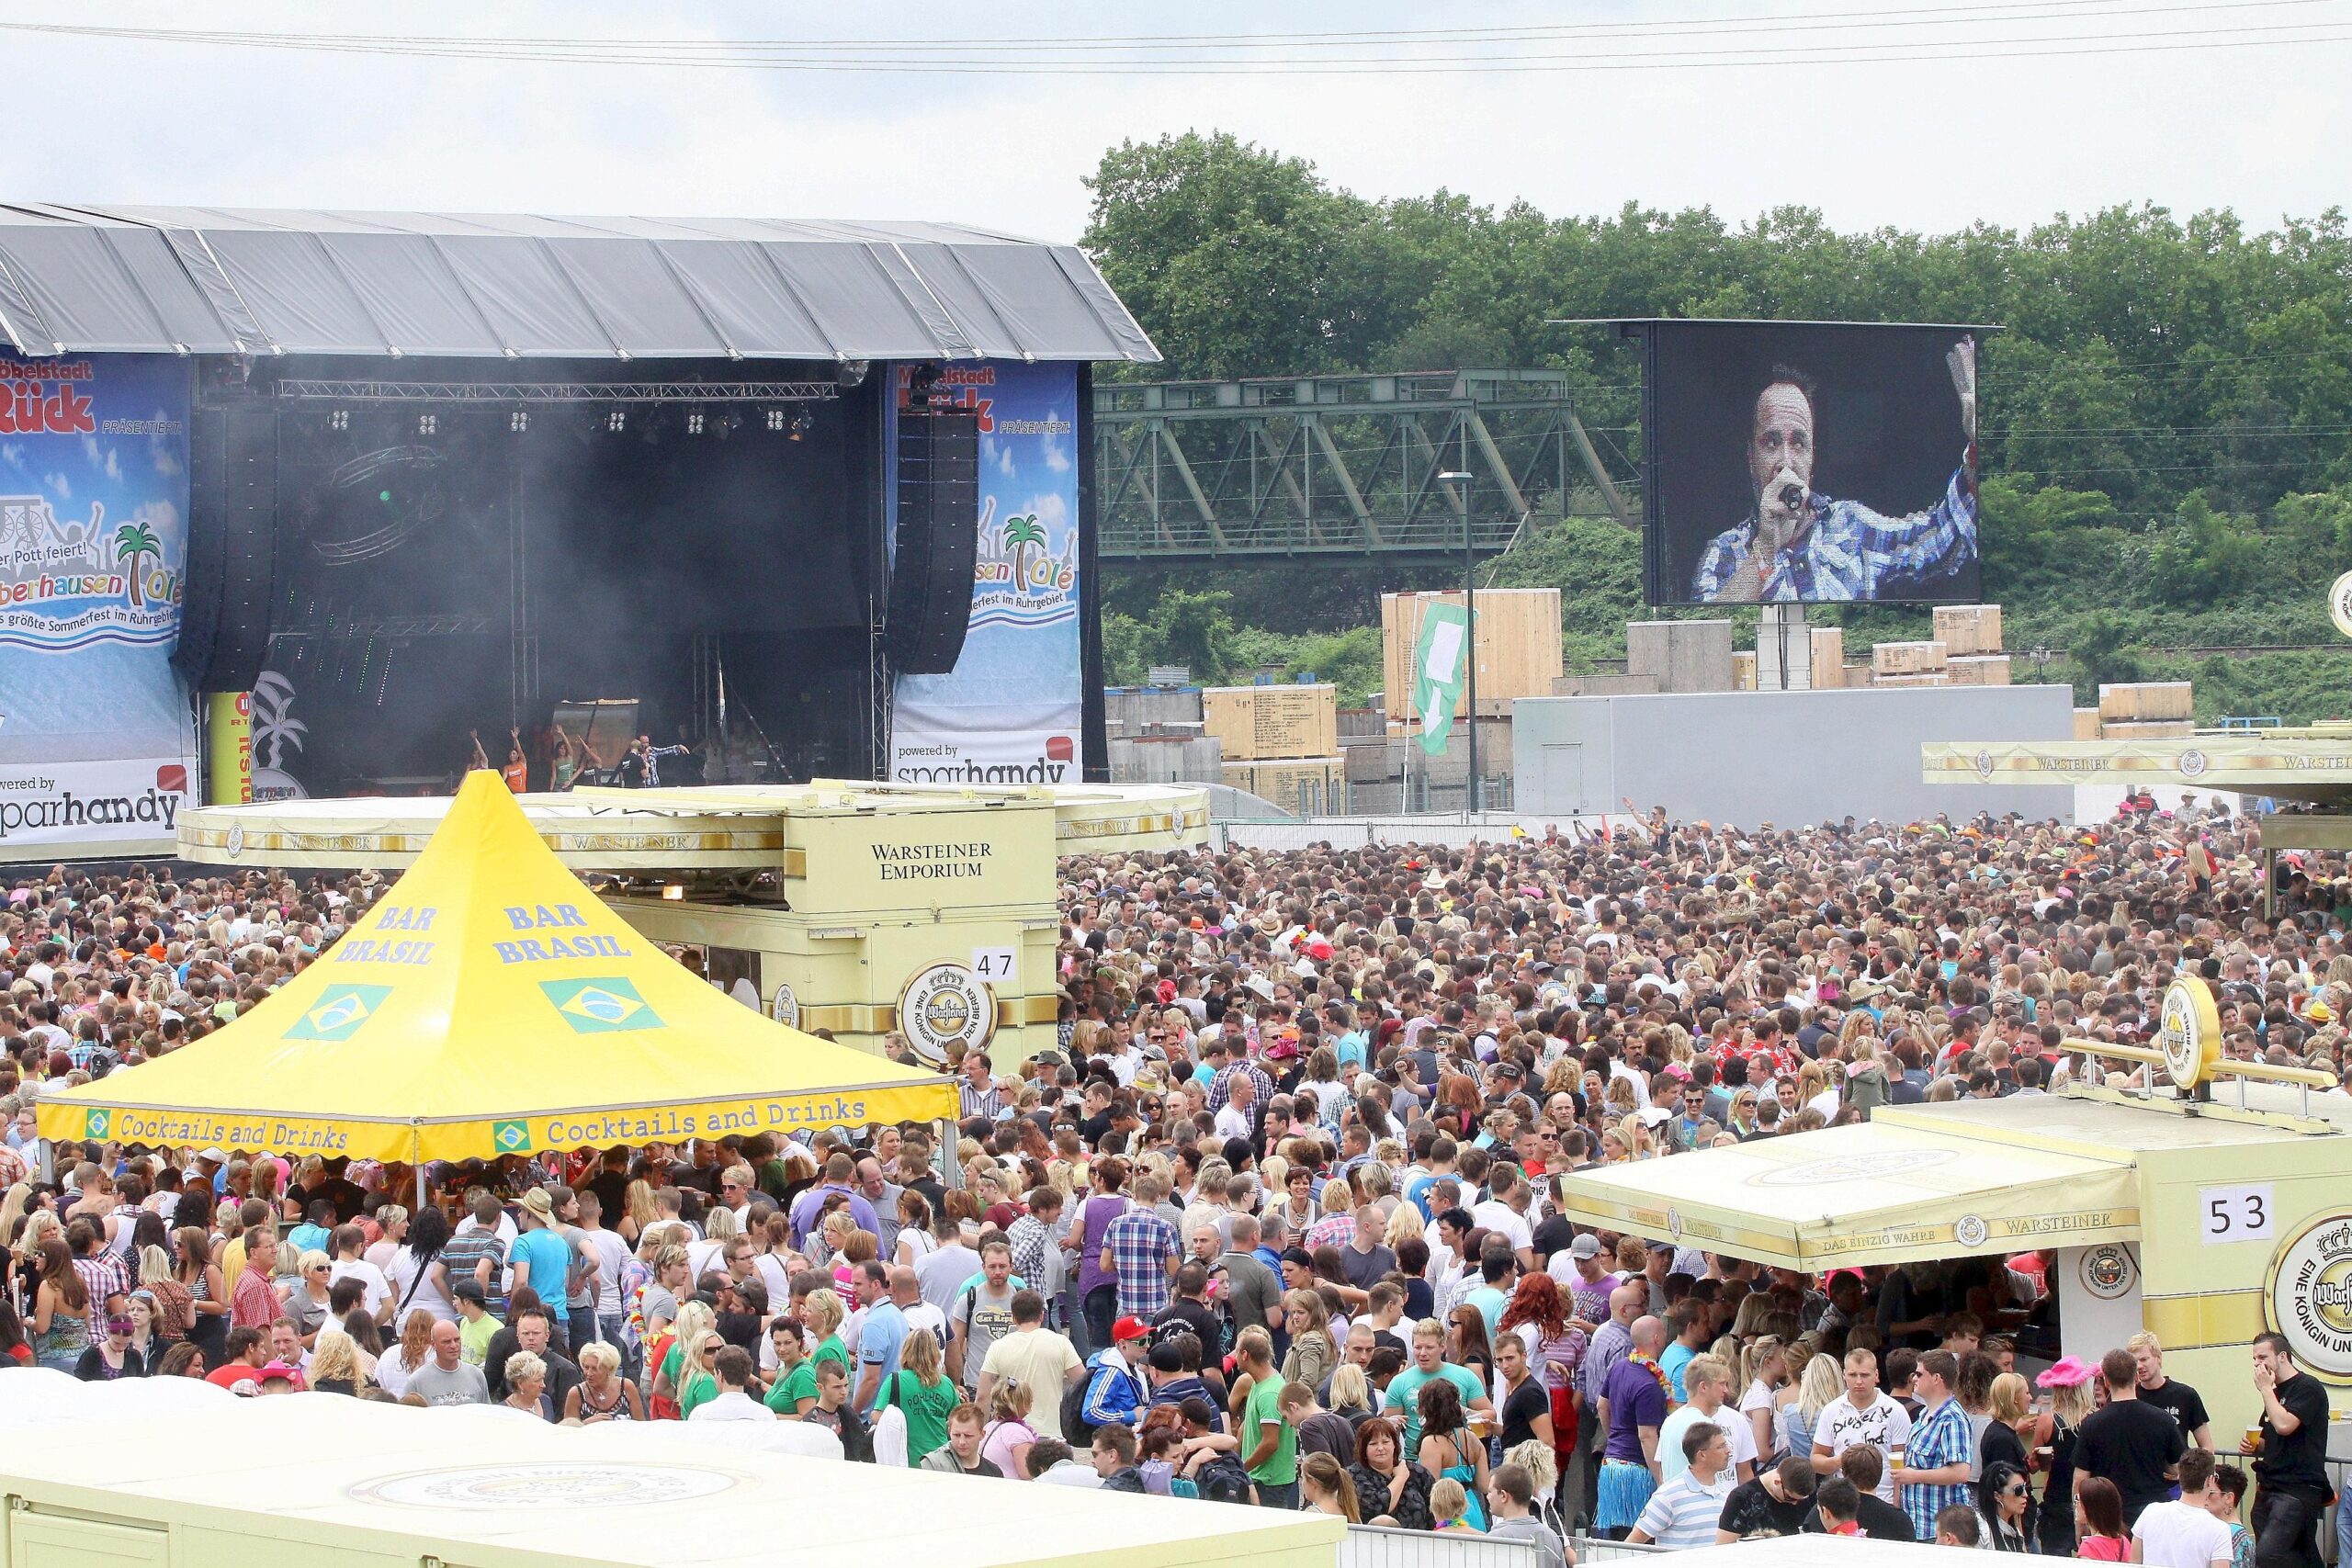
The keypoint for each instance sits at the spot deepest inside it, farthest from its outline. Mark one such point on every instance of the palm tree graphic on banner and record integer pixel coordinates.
(134, 542)
(1020, 535)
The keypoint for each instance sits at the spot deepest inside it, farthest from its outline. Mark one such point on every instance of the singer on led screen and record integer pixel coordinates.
(1800, 545)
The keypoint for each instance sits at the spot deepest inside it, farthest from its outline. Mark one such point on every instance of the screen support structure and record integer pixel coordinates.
(1783, 649)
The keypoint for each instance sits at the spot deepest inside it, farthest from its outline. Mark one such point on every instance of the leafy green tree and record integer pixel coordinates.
(2103, 652)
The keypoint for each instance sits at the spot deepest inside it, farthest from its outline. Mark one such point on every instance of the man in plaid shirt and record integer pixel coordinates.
(1936, 1459)
(1142, 1252)
(1801, 545)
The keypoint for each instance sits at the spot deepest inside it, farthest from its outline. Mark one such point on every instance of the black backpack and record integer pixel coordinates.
(1076, 1430)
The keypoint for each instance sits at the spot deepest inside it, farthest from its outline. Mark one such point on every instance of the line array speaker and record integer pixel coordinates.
(939, 533)
(232, 548)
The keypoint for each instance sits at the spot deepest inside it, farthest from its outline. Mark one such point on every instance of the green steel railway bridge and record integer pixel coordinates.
(1346, 465)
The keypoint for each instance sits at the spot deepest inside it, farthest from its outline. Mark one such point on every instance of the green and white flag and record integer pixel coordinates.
(1440, 660)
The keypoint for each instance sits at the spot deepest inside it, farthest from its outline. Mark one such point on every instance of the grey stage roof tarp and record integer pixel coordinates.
(210, 280)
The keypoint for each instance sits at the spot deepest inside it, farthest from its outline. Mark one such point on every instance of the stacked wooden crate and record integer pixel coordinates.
(1971, 637)
(2146, 710)
(1909, 664)
(1281, 743)
(1518, 647)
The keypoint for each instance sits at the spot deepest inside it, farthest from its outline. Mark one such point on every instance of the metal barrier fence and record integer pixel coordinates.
(1452, 830)
(1376, 1546)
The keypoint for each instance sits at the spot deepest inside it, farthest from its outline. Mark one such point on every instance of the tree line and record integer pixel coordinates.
(2168, 409)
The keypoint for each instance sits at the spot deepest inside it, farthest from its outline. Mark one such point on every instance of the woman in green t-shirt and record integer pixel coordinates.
(920, 1388)
(685, 1375)
(794, 1391)
(822, 1313)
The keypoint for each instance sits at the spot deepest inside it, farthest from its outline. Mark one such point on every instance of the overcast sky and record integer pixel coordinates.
(1932, 145)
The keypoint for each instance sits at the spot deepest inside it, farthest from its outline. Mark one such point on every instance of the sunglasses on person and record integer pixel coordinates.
(713, 1347)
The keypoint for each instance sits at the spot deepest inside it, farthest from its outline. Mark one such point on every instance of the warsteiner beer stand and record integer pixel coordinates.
(2207, 1206)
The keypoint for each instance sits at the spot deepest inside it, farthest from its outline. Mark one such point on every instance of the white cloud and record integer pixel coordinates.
(60, 484)
(1056, 455)
(105, 459)
(1052, 509)
(1000, 454)
(12, 453)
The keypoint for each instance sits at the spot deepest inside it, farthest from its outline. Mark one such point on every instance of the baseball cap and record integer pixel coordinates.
(1584, 1247)
(1128, 1328)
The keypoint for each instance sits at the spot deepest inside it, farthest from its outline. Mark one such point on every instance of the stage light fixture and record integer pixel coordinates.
(428, 423)
(694, 423)
(775, 419)
(851, 373)
(519, 421)
(339, 420)
(617, 420)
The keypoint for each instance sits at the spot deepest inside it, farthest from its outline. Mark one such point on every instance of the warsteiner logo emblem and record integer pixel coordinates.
(2108, 1272)
(2193, 763)
(945, 1005)
(2310, 1297)
(1970, 1229)
(1984, 764)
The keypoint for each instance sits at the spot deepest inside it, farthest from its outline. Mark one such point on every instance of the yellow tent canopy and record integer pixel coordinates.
(490, 1004)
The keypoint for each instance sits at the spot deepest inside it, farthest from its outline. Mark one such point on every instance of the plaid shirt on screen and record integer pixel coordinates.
(1848, 551)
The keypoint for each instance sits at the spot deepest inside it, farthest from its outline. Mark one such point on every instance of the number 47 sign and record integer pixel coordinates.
(2235, 1213)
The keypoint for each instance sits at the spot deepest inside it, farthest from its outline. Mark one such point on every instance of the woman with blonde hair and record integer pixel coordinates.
(1821, 1382)
(683, 1378)
(527, 1386)
(174, 1308)
(334, 1363)
(1763, 1371)
(638, 1213)
(1006, 1440)
(1312, 1354)
(403, 1360)
(1351, 1393)
(601, 1393)
(823, 1313)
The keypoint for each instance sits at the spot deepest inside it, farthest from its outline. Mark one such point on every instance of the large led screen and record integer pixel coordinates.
(1810, 463)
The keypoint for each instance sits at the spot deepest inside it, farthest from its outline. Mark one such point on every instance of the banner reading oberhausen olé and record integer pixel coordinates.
(1009, 711)
(97, 740)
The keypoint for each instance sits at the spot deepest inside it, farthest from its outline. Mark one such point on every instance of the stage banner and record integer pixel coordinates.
(1009, 711)
(97, 743)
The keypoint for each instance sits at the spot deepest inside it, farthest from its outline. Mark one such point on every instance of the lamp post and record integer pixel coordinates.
(1457, 489)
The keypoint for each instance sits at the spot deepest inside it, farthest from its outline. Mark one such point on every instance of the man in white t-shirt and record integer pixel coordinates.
(1708, 1381)
(2184, 1534)
(1503, 1214)
(1862, 1415)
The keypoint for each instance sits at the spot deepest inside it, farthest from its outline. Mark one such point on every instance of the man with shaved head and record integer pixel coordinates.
(1800, 545)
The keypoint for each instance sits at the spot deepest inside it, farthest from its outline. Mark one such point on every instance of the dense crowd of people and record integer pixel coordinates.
(1276, 1218)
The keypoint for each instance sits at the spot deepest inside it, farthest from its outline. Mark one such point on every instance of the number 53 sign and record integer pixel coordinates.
(2235, 1213)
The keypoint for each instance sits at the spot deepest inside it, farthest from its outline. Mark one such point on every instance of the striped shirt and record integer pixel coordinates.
(1682, 1513)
